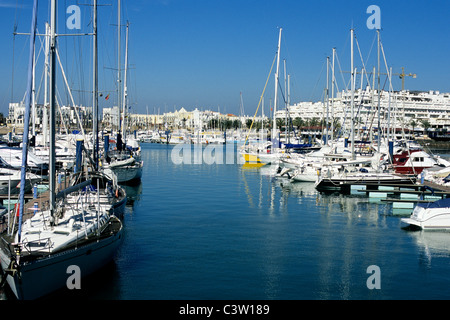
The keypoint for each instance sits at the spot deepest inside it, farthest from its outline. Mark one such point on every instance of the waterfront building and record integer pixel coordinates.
(403, 110)
(67, 117)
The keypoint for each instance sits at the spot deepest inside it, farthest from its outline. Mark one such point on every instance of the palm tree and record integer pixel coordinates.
(298, 122)
(237, 124)
(413, 124)
(426, 125)
(280, 123)
(314, 122)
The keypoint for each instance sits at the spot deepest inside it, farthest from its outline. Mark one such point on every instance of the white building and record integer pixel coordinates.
(397, 109)
(65, 117)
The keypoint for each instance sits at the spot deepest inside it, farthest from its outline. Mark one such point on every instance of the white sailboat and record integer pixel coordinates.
(266, 153)
(10, 180)
(124, 164)
(36, 258)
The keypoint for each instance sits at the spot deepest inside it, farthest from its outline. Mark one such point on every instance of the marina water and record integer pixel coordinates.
(230, 231)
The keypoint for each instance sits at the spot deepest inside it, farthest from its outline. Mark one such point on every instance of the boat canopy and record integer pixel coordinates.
(443, 203)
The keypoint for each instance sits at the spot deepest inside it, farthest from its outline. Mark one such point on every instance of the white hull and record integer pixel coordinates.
(432, 218)
(126, 173)
(304, 177)
(13, 186)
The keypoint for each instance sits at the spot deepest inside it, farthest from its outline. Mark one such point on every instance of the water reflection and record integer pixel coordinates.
(133, 193)
(432, 244)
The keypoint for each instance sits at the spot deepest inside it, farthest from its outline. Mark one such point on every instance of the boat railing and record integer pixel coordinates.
(41, 245)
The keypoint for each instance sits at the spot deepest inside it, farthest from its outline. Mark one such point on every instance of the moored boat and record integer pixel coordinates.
(430, 215)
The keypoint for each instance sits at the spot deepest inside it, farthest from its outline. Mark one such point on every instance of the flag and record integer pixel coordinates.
(107, 97)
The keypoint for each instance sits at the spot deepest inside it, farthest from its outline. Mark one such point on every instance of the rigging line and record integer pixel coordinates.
(342, 74)
(362, 61)
(260, 99)
(73, 102)
(371, 47)
(281, 89)
(317, 82)
(293, 77)
(387, 69)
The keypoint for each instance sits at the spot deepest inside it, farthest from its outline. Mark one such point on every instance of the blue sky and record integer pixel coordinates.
(204, 53)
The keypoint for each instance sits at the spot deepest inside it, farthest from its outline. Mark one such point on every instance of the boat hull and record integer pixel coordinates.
(127, 174)
(410, 170)
(345, 183)
(40, 277)
(13, 186)
(268, 158)
(251, 158)
(432, 218)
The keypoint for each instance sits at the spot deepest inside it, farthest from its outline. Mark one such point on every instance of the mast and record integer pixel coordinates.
(285, 103)
(95, 88)
(352, 102)
(327, 102)
(33, 97)
(27, 117)
(288, 106)
(119, 96)
(274, 126)
(45, 117)
(52, 162)
(332, 95)
(125, 89)
(379, 94)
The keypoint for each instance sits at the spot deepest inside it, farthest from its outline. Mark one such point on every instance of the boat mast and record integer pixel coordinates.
(327, 102)
(352, 102)
(27, 117)
(332, 95)
(52, 162)
(95, 88)
(274, 125)
(125, 89)
(119, 96)
(379, 95)
(45, 117)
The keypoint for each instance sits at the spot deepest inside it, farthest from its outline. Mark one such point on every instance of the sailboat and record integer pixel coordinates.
(10, 180)
(377, 172)
(37, 259)
(124, 163)
(266, 152)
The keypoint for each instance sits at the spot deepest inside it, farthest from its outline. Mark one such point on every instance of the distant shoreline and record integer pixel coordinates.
(426, 143)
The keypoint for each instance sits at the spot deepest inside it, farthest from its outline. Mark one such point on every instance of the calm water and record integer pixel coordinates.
(224, 231)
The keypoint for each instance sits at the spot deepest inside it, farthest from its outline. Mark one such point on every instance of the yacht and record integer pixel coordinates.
(430, 215)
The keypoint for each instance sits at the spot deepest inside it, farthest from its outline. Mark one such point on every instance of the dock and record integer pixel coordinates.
(42, 199)
(405, 197)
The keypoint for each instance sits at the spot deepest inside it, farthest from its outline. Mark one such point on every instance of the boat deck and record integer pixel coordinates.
(42, 200)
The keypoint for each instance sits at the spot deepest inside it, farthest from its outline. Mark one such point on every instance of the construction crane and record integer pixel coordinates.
(400, 75)
(403, 75)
